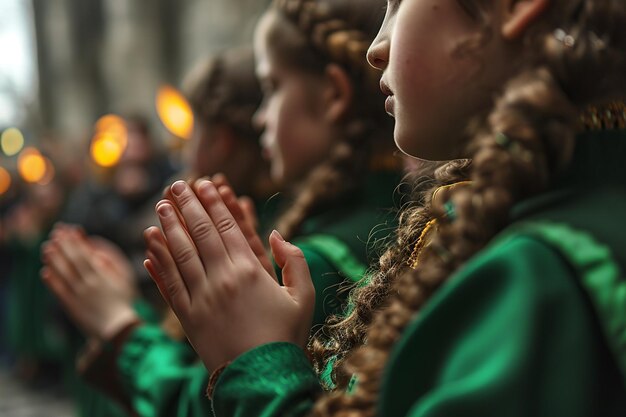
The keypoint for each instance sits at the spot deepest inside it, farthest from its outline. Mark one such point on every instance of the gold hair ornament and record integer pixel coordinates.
(431, 227)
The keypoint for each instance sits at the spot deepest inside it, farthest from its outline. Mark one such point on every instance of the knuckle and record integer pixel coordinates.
(225, 225)
(173, 289)
(247, 271)
(184, 255)
(185, 199)
(201, 230)
(297, 252)
(227, 287)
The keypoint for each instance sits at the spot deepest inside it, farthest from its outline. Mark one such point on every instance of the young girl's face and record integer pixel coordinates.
(296, 136)
(434, 88)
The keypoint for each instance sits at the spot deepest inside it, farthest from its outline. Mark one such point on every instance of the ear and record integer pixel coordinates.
(338, 94)
(520, 14)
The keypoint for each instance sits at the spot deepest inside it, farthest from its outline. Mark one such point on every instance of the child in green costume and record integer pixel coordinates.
(511, 300)
(336, 204)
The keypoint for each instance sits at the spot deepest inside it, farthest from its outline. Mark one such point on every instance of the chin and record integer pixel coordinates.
(420, 149)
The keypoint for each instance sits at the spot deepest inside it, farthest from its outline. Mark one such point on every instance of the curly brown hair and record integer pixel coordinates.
(528, 137)
(308, 35)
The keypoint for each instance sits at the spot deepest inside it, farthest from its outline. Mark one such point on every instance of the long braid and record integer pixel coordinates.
(341, 335)
(527, 140)
(334, 35)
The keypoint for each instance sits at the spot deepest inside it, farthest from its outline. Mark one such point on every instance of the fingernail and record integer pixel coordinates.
(165, 210)
(178, 188)
(277, 235)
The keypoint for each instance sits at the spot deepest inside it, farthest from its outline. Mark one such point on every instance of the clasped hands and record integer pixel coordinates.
(212, 269)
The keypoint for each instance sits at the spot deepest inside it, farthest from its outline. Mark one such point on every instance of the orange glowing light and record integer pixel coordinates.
(31, 165)
(113, 125)
(174, 111)
(106, 150)
(109, 141)
(5, 180)
(50, 173)
(12, 141)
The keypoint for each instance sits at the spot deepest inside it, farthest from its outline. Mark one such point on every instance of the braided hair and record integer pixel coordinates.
(528, 137)
(308, 35)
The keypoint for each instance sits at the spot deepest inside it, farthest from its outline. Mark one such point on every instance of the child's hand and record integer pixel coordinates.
(224, 297)
(245, 203)
(92, 279)
(242, 210)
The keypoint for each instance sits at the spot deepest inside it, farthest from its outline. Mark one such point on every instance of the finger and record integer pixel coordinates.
(295, 271)
(165, 273)
(249, 211)
(148, 263)
(55, 259)
(64, 293)
(230, 199)
(220, 180)
(233, 239)
(201, 228)
(56, 284)
(76, 252)
(58, 229)
(167, 195)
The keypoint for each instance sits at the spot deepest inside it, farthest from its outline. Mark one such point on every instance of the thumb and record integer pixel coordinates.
(295, 271)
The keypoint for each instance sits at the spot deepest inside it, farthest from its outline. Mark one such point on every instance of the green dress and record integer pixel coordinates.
(163, 377)
(534, 325)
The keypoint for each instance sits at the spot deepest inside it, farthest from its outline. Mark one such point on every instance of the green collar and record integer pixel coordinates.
(599, 159)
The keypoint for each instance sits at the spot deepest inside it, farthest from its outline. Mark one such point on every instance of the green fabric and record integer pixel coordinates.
(338, 253)
(512, 334)
(256, 385)
(342, 242)
(90, 402)
(328, 283)
(600, 275)
(34, 331)
(523, 329)
(162, 376)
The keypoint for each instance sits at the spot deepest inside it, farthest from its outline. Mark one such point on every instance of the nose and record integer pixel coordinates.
(378, 52)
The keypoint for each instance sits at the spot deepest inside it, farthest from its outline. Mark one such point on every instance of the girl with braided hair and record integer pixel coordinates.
(327, 138)
(512, 300)
(142, 361)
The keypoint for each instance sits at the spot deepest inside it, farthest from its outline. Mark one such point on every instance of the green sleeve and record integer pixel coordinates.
(273, 380)
(511, 335)
(162, 376)
(327, 282)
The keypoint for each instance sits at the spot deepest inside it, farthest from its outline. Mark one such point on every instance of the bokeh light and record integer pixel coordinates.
(114, 125)
(110, 140)
(106, 150)
(50, 173)
(174, 111)
(5, 180)
(11, 141)
(31, 165)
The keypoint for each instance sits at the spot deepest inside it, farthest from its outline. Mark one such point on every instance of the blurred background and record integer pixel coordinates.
(92, 125)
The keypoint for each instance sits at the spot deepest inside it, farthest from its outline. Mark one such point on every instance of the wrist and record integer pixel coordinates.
(122, 319)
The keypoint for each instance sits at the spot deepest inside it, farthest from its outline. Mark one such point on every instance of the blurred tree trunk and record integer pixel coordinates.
(68, 34)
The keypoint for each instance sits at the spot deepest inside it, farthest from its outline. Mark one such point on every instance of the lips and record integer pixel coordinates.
(389, 102)
(389, 105)
(385, 88)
